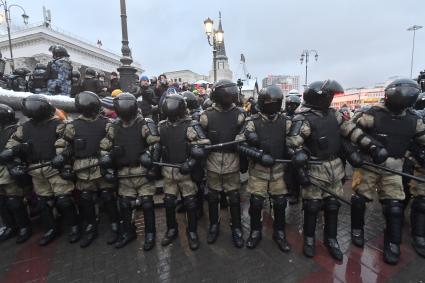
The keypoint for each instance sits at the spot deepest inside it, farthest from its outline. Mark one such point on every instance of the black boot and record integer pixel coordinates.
(279, 236)
(311, 208)
(66, 207)
(9, 228)
(331, 209)
(214, 229)
(255, 207)
(23, 235)
(110, 205)
(170, 214)
(128, 232)
(19, 211)
(358, 208)
(48, 220)
(235, 213)
(190, 203)
(393, 212)
(417, 222)
(149, 216)
(88, 214)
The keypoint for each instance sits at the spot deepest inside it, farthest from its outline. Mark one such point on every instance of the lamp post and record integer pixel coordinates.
(25, 17)
(413, 28)
(305, 56)
(126, 71)
(215, 38)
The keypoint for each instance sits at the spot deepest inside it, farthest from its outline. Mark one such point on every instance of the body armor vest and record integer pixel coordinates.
(223, 127)
(394, 132)
(174, 142)
(130, 140)
(325, 140)
(5, 134)
(90, 133)
(272, 135)
(41, 136)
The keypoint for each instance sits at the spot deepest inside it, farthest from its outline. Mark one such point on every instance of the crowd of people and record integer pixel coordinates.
(120, 144)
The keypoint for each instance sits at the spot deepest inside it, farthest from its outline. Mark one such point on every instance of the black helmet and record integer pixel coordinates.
(401, 94)
(76, 75)
(40, 66)
(420, 102)
(191, 100)
(319, 95)
(125, 106)
(90, 73)
(87, 103)
(174, 107)
(291, 103)
(154, 80)
(59, 51)
(21, 72)
(270, 100)
(37, 107)
(207, 103)
(224, 93)
(7, 114)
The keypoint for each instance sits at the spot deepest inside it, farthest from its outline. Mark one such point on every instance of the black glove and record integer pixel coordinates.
(154, 173)
(67, 173)
(105, 161)
(303, 178)
(379, 154)
(300, 159)
(58, 161)
(6, 156)
(267, 160)
(187, 166)
(252, 138)
(355, 159)
(146, 160)
(198, 152)
(17, 171)
(109, 176)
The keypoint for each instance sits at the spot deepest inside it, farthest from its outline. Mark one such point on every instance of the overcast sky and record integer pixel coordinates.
(360, 42)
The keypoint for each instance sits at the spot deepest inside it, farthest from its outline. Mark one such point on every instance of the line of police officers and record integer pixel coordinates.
(118, 161)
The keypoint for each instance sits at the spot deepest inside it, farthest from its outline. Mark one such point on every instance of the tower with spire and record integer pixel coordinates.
(222, 64)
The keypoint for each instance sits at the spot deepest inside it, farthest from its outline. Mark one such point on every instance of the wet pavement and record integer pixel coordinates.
(221, 262)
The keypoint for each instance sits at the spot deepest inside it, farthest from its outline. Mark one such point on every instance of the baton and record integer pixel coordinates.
(329, 192)
(38, 166)
(421, 180)
(311, 162)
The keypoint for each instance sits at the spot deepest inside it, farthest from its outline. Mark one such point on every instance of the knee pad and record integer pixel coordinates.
(64, 201)
(169, 200)
(392, 207)
(257, 201)
(279, 200)
(213, 195)
(358, 201)
(127, 202)
(147, 202)
(332, 204)
(107, 195)
(15, 203)
(86, 196)
(234, 197)
(418, 204)
(190, 202)
(312, 205)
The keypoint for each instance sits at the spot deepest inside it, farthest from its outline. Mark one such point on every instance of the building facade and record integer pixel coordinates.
(354, 98)
(182, 76)
(31, 44)
(286, 82)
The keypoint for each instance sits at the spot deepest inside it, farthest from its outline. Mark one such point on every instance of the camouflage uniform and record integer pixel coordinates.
(59, 76)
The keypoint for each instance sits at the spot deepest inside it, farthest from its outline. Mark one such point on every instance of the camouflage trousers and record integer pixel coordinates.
(264, 187)
(137, 186)
(416, 188)
(175, 183)
(223, 182)
(47, 182)
(57, 86)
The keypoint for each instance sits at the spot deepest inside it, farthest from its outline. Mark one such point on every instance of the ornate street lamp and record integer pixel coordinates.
(305, 56)
(413, 28)
(215, 38)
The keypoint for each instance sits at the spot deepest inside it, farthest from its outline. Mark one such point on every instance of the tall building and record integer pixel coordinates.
(356, 97)
(30, 45)
(222, 64)
(286, 82)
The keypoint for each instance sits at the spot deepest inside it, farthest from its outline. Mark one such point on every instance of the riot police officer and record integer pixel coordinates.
(266, 133)
(12, 209)
(38, 80)
(18, 80)
(222, 123)
(38, 135)
(126, 140)
(384, 133)
(75, 83)
(80, 142)
(292, 102)
(91, 82)
(59, 72)
(317, 128)
(177, 133)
